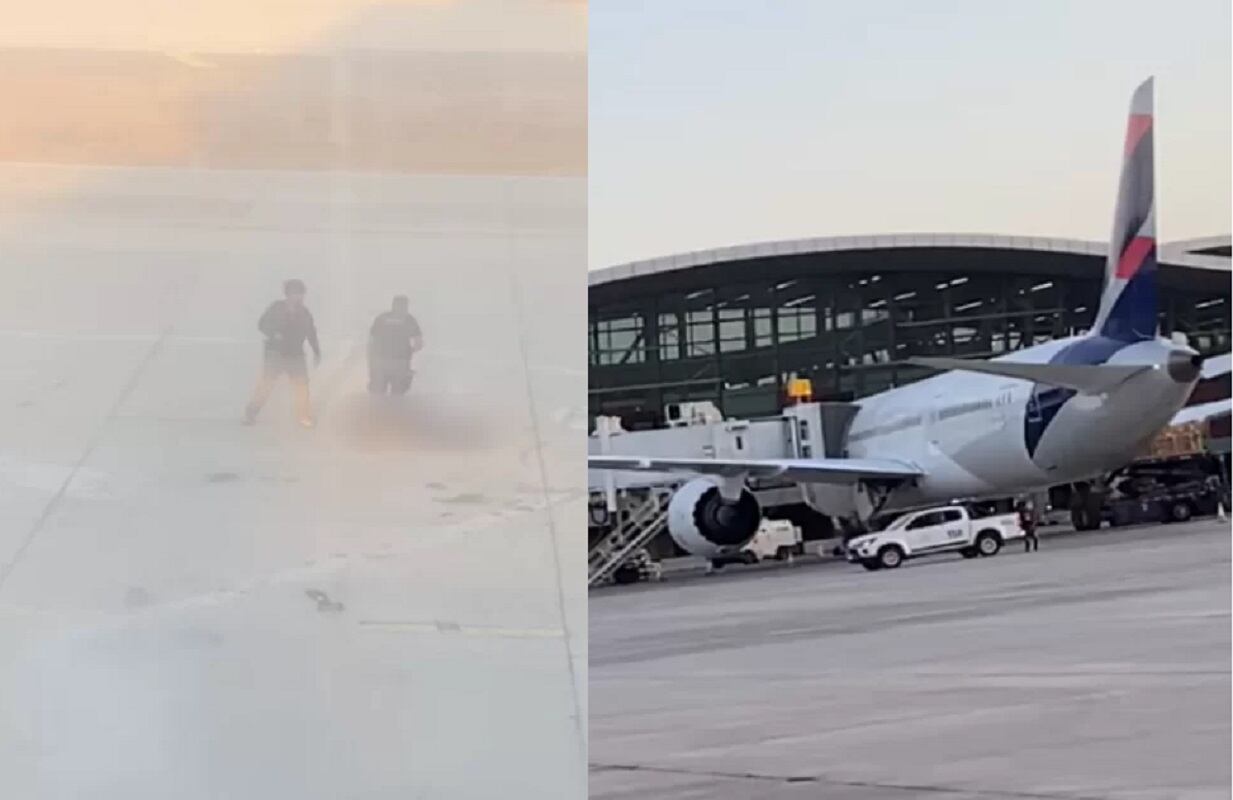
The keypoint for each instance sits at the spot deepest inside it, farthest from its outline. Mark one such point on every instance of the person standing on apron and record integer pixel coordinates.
(1027, 521)
(394, 338)
(287, 324)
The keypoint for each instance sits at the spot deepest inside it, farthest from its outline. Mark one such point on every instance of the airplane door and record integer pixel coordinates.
(932, 423)
(1034, 415)
(1006, 396)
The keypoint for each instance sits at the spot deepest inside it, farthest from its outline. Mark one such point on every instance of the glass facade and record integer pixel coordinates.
(849, 332)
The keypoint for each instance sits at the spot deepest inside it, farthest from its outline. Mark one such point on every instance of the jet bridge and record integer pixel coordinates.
(804, 430)
(630, 506)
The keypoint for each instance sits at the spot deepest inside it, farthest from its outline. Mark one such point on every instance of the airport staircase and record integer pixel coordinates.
(636, 526)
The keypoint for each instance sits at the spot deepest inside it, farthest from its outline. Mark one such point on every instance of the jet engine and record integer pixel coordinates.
(703, 523)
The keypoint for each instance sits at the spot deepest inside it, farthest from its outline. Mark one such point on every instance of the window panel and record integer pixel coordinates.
(700, 339)
(731, 329)
(797, 322)
(871, 316)
(763, 329)
(669, 337)
(620, 341)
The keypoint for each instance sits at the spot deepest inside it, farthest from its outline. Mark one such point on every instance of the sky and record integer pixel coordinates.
(723, 122)
(193, 26)
(487, 87)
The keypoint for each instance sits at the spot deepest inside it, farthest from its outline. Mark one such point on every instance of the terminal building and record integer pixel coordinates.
(733, 325)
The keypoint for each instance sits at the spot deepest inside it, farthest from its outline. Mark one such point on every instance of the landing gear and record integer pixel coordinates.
(878, 494)
(1086, 507)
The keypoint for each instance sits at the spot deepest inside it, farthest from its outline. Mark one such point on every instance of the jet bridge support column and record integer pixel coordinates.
(820, 430)
(836, 424)
(605, 427)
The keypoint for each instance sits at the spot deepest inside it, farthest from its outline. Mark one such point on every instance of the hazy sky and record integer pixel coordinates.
(430, 86)
(718, 122)
(280, 25)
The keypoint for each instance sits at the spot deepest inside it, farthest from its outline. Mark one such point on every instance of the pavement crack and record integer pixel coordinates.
(96, 436)
(823, 781)
(541, 472)
(750, 776)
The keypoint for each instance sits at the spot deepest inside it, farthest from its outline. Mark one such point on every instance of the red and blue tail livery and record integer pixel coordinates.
(1128, 307)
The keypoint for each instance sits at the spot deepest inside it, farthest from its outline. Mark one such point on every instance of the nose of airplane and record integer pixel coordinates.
(1184, 365)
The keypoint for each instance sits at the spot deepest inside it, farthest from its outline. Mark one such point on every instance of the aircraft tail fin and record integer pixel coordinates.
(1082, 378)
(1128, 304)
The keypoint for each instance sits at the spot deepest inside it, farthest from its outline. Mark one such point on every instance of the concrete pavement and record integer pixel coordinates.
(1097, 668)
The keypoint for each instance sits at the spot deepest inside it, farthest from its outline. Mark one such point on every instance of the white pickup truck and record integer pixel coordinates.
(949, 529)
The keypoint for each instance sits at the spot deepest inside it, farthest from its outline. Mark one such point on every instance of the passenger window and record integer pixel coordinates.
(924, 521)
(953, 515)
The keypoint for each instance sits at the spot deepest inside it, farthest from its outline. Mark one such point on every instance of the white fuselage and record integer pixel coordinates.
(966, 431)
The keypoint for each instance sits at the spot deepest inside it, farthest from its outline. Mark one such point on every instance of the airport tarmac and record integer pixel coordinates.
(389, 606)
(1096, 668)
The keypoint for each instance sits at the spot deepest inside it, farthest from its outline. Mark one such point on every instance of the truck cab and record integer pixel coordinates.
(779, 540)
(947, 529)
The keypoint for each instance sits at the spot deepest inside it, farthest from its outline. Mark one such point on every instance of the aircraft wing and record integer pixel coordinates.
(1202, 412)
(801, 470)
(1082, 378)
(1214, 366)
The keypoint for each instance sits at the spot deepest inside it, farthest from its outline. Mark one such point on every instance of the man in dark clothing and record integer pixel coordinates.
(1027, 521)
(395, 336)
(287, 324)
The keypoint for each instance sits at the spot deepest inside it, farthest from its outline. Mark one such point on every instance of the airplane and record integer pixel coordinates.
(1060, 412)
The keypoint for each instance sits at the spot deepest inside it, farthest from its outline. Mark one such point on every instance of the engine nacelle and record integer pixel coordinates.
(702, 523)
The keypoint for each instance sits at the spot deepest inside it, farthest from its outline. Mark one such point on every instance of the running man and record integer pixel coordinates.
(287, 324)
(395, 337)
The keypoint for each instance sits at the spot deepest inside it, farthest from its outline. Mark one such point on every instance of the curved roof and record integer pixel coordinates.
(1184, 252)
(1179, 253)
